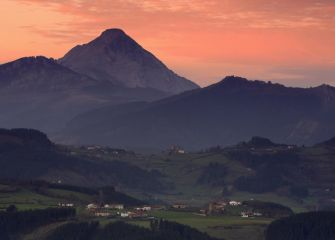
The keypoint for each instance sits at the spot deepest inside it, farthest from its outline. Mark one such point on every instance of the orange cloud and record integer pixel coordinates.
(203, 40)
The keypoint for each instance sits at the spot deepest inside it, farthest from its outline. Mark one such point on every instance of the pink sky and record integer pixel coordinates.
(292, 42)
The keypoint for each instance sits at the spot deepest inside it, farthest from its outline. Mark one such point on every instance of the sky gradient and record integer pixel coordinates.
(286, 41)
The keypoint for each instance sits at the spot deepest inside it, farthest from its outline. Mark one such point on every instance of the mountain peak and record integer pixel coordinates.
(115, 40)
(112, 32)
(234, 80)
(116, 57)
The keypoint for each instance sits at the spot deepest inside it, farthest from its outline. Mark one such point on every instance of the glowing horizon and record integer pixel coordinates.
(291, 42)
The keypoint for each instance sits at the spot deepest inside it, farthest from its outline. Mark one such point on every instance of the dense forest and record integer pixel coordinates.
(213, 174)
(160, 230)
(304, 226)
(13, 223)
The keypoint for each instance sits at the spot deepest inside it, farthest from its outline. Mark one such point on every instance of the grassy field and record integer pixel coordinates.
(42, 232)
(184, 171)
(227, 227)
(25, 198)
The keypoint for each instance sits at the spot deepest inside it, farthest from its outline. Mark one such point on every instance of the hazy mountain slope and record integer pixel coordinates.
(38, 92)
(117, 58)
(224, 113)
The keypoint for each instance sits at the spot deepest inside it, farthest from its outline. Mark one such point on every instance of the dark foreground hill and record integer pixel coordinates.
(305, 226)
(160, 230)
(224, 113)
(28, 154)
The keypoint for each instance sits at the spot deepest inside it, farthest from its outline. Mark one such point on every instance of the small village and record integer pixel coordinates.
(117, 210)
(120, 211)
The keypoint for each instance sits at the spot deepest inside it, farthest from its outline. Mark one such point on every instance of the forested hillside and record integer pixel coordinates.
(305, 226)
(29, 155)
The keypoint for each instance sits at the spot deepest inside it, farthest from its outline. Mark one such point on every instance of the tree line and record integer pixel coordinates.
(304, 226)
(13, 223)
(160, 230)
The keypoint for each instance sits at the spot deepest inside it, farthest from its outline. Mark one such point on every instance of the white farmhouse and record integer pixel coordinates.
(91, 206)
(114, 206)
(124, 214)
(234, 203)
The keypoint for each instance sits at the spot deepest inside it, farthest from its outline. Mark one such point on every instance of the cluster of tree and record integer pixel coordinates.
(13, 222)
(213, 174)
(259, 142)
(299, 191)
(160, 230)
(263, 181)
(75, 231)
(304, 226)
(110, 195)
(261, 159)
(269, 209)
(272, 170)
(172, 230)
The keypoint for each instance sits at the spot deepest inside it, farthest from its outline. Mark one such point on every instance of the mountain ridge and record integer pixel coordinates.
(223, 113)
(31, 72)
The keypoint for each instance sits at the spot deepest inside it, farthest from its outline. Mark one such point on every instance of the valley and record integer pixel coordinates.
(218, 173)
(265, 180)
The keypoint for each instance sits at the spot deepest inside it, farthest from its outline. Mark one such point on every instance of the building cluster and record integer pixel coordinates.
(230, 206)
(234, 203)
(118, 210)
(175, 149)
(179, 206)
(218, 207)
(246, 214)
(65, 205)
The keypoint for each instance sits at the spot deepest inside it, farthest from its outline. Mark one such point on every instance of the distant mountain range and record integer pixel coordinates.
(221, 114)
(113, 92)
(43, 93)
